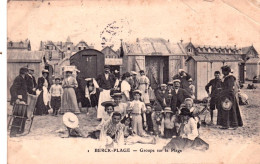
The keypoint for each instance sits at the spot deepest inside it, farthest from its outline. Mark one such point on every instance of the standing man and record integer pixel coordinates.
(183, 77)
(19, 96)
(30, 82)
(106, 82)
(133, 82)
(178, 96)
(215, 85)
(143, 85)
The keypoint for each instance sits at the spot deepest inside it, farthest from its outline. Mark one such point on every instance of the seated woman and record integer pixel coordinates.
(168, 128)
(109, 109)
(71, 122)
(112, 132)
(188, 134)
(188, 103)
(131, 137)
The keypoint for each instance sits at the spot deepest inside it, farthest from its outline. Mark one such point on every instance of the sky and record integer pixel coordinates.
(204, 22)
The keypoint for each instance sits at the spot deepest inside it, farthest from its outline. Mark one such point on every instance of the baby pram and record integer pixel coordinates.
(21, 114)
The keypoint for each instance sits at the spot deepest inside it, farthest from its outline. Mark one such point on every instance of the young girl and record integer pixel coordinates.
(109, 109)
(167, 125)
(189, 105)
(91, 95)
(188, 134)
(157, 119)
(138, 109)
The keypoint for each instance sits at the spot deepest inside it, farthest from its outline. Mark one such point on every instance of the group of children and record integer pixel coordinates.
(147, 119)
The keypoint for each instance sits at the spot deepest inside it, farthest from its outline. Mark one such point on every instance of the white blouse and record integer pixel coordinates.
(190, 130)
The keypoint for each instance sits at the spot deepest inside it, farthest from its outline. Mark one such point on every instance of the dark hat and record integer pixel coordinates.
(106, 67)
(108, 103)
(226, 68)
(23, 70)
(137, 92)
(185, 112)
(157, 108)
(116, 94)
(127, 74)
(57, 78)
(141, 71)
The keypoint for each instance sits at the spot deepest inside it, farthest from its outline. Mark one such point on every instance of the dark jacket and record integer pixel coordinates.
(19, 87)
(161, 97)
(215, 85)
(31, 83)
(178, 99)
(41, 82)
(184, 80)
(106, 84)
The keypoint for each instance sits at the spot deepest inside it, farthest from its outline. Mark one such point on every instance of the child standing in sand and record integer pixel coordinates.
(138, 109)
(56, 92)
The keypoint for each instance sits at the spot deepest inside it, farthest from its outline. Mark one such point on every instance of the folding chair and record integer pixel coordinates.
(20, 114)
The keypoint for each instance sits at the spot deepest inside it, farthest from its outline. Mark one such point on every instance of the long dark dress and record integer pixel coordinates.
(232, 117)
(41, 108)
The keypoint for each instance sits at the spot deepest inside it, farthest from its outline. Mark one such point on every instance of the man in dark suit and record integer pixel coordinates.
(19, 96)
(106, 82)
(30, 82)
(178, 96)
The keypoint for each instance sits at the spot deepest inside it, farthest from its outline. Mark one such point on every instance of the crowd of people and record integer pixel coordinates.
(128, 109)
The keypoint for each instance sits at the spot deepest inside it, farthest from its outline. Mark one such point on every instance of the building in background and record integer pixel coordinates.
(113, 59)
(23, 45)
(159, 58)
(203, 61)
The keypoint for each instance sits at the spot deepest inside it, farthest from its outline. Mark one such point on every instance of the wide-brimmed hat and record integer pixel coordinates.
(108, 103)
(70, 120)
(181, 70)
(107, 67)
(133, 73)
(116, 94)
(176, 80)
(137, 92)
(185, 112)
(45, 71)
(163, 85)
(167, 110)
(88, 79)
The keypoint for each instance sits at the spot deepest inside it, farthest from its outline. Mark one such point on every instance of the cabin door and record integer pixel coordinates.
(157, 70)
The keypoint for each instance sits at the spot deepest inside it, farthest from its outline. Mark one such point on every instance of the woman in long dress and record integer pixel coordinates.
(143, 85)
(42, 104)
(230, 116)
(69, 100)
(188, 135)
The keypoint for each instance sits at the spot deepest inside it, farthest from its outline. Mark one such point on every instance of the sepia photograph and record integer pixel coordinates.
(142, 81)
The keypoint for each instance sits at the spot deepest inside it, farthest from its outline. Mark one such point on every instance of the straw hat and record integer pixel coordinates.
(163, 85)
(137, 92)
(190, 80)
(133, 73)
(70, 120)
(176, 80)
(167, 110)
(45, 71)
(108, 103)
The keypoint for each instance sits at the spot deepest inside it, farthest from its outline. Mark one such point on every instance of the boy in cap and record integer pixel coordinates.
(56, 92)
